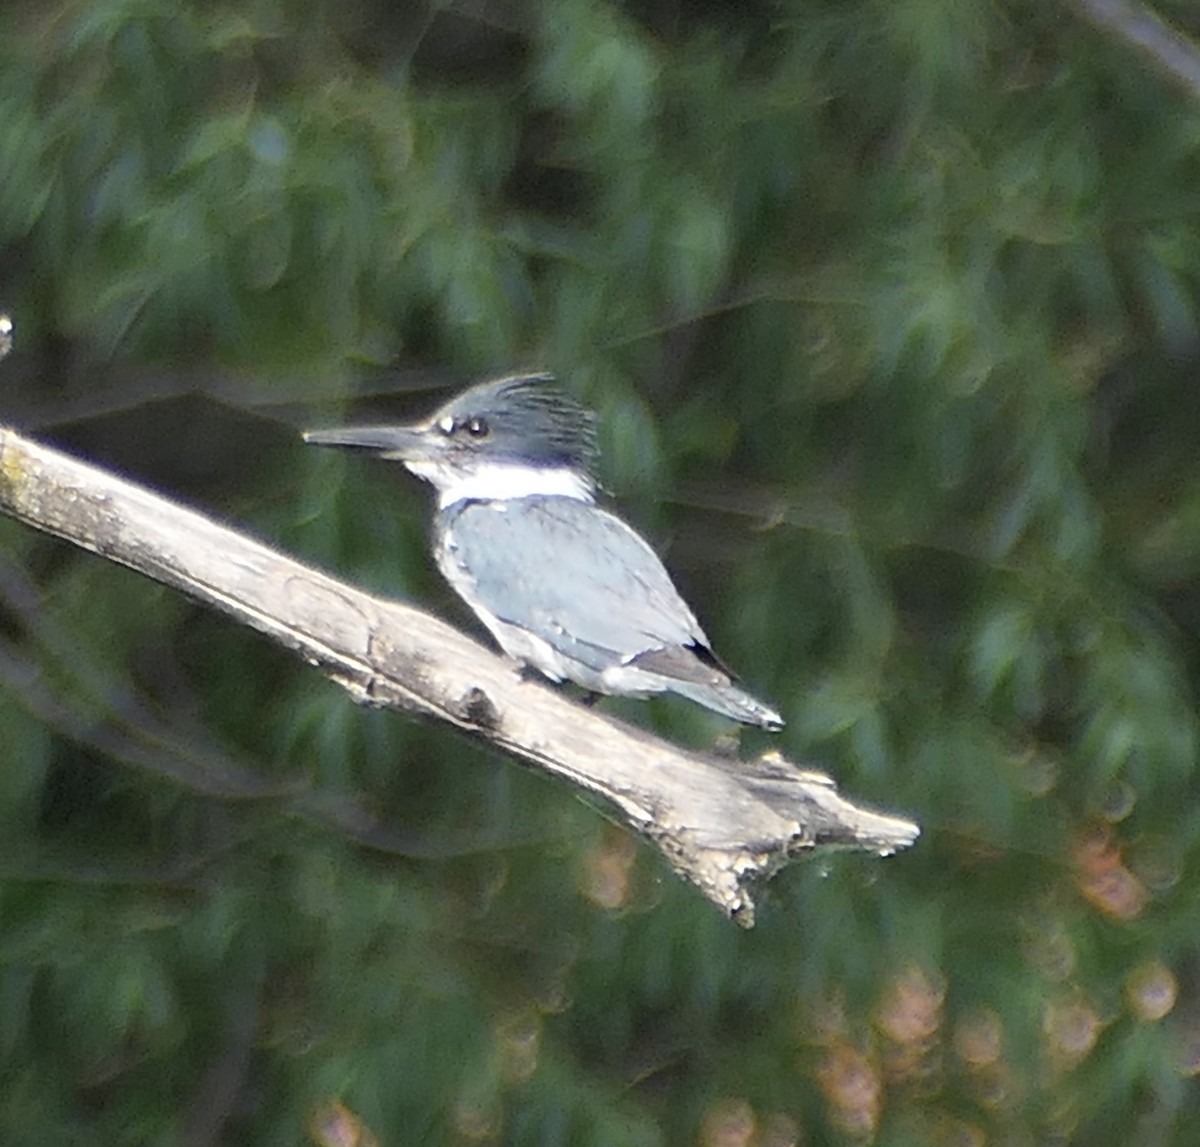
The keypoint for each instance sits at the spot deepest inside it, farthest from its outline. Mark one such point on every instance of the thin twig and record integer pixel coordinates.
(1169, 50)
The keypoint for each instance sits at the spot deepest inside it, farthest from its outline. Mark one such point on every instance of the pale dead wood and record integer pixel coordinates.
(723, 825)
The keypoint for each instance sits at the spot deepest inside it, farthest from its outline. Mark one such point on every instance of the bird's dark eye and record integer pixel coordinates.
(476, 427)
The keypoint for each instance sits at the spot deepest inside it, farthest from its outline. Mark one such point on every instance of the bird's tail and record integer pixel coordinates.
(730, 701)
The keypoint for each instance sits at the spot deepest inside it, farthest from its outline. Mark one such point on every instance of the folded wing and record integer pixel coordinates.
(580, 579)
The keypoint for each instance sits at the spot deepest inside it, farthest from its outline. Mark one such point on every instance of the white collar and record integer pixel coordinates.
(501, 481)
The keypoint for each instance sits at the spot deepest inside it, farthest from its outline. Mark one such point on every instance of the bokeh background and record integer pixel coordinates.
(891, 310)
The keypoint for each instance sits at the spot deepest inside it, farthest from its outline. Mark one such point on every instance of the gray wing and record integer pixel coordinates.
(574, 575)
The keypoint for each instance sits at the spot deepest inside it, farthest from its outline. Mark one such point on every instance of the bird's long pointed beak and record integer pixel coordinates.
(399, 442)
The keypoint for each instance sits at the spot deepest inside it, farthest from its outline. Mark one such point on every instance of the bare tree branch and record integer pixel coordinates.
(721, 824)
(1169, 50)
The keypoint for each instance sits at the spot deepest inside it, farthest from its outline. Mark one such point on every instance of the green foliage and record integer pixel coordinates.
(891, 312)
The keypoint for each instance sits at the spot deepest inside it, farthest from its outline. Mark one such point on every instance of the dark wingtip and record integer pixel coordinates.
(754, 712)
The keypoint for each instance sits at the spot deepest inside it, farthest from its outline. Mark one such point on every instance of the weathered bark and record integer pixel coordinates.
(721, 824)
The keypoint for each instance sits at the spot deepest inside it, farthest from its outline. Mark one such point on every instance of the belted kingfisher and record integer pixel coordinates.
(563, 585)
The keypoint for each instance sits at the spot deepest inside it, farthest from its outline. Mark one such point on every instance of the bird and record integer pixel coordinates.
(565, 587)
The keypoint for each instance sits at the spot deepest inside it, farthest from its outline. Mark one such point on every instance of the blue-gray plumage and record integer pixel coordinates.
(563, 585)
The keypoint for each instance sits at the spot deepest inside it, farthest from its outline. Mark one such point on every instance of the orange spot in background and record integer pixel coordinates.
(911, 1012)
(979, 1039)
(728, 1123)
(1102, 877)
(607, 871)
(1072, 1028)
(853, 1088)
(1151, 991)
(910, 1016)
(335, 1125)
